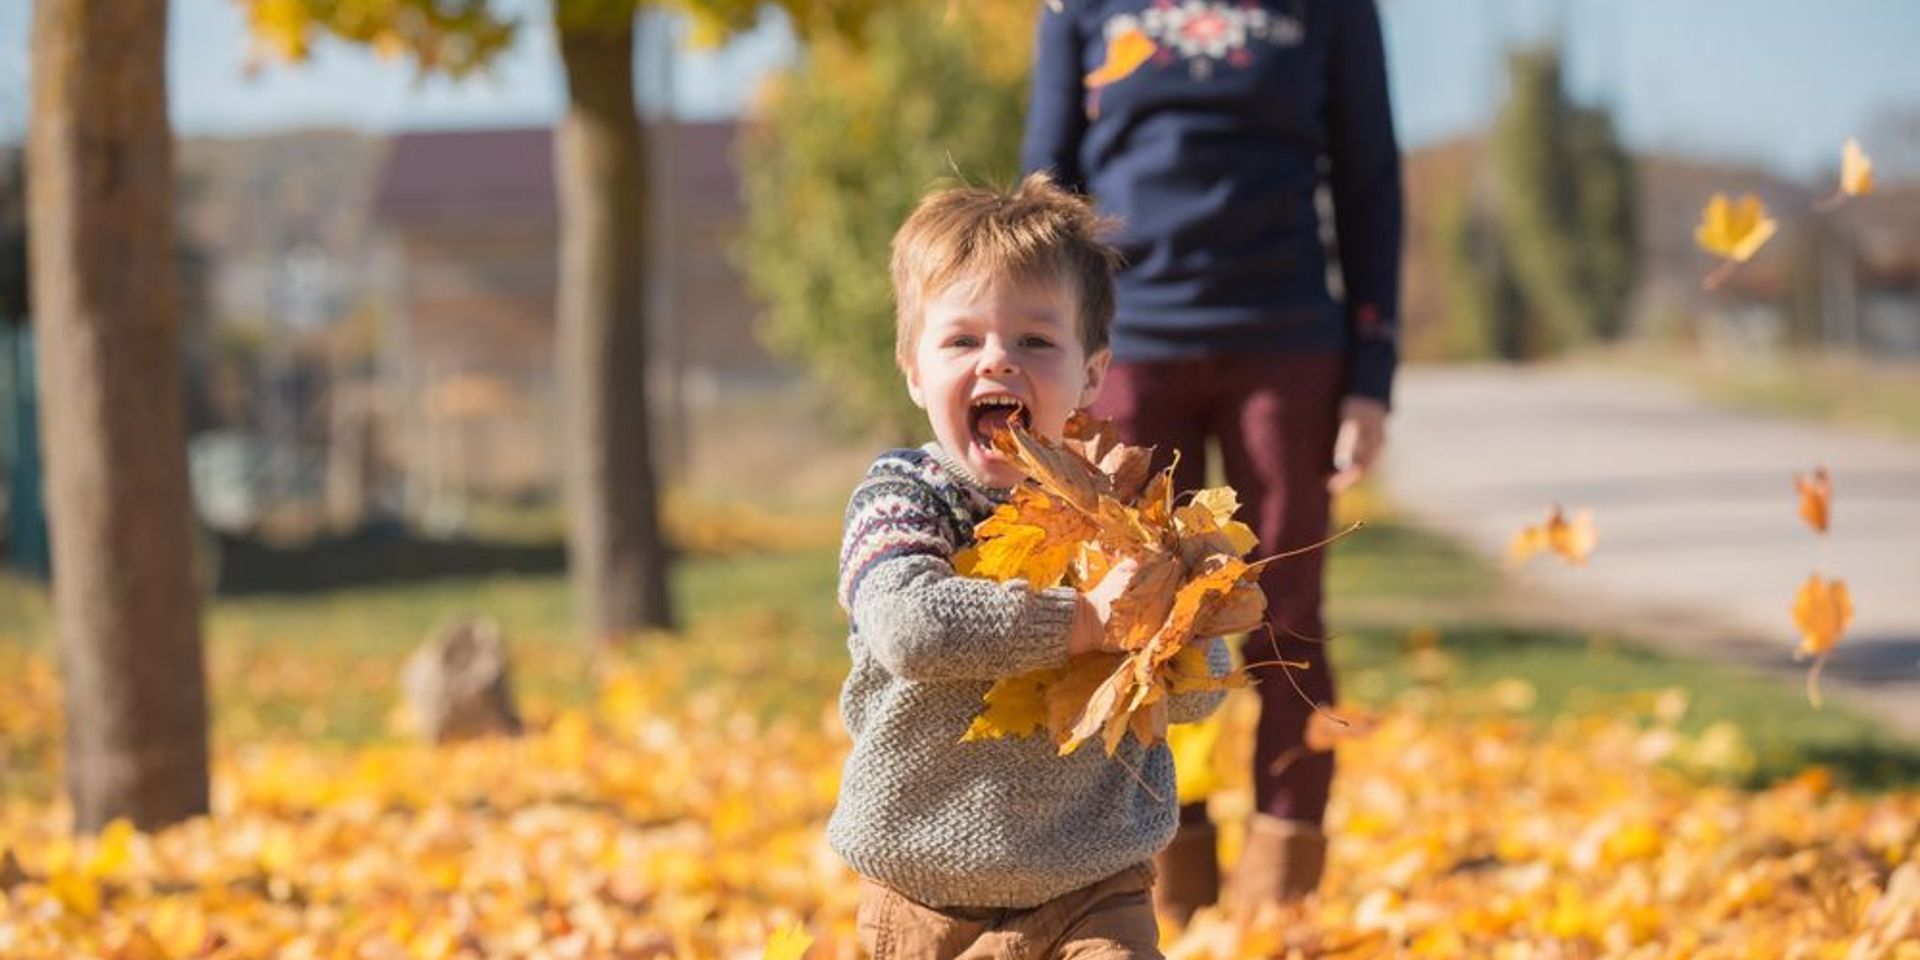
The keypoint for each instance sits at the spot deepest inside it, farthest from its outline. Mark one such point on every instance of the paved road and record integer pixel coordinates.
(1699, 539)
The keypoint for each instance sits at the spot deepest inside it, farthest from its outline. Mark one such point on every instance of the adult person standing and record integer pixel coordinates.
(1209, 128)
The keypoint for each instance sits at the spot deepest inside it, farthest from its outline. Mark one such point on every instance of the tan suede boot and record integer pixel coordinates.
(1189, 873)
(1282, 862)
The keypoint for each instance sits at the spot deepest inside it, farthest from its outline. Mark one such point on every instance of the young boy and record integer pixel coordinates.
(995, 848)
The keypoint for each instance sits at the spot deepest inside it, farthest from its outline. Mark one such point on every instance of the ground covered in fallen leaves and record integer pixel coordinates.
(670, 802)
(663, 822)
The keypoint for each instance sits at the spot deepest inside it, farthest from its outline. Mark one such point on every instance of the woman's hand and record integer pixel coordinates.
(1363, 431)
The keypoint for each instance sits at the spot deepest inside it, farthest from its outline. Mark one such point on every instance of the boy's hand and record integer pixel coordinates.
(1096, 608)
(1363, 431)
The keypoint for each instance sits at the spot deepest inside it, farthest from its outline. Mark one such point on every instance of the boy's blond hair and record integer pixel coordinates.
(1038, 232)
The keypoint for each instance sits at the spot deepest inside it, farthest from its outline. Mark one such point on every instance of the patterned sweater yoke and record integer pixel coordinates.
(998, 823)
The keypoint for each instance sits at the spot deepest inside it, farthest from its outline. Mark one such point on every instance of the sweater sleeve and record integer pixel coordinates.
(1056, 117)
(1197, 706)
(922, 621)
(1364, 161)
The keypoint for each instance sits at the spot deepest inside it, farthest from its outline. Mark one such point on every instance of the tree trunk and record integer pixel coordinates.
(614, 546)
(101, 208)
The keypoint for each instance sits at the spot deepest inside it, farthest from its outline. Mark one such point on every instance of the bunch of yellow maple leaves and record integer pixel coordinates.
(1090, 504)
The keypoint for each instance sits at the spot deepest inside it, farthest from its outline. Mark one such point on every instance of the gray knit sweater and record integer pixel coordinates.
(996, 823)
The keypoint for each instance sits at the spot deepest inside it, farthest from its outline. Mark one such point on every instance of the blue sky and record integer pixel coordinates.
(1774, 82)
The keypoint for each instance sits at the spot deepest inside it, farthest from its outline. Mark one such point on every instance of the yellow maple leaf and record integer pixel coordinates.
(1223, 503)
(1016, 707)
(1059, 471)
(1195, 604)
(1098, 710)
(1140, 612)
(1189, 672)
(1735, 230)
(1126, 51)
(1069, 694)
(77, 891)
(1206, 526)
(788, 943)
(179, 924)
(113, 848)
(1821, 611)
(1816, 498)
(1856, 170)
(1032, 537)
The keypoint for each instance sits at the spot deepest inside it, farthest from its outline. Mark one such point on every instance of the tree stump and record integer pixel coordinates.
(458, 684)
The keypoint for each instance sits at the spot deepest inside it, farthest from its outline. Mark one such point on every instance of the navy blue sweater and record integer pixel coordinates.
(1210, 151)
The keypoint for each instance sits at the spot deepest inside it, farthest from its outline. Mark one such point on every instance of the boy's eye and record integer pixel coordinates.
(963, 341)
(1036, 341)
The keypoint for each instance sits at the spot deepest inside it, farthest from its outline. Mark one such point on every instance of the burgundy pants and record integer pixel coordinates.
(1275, 416)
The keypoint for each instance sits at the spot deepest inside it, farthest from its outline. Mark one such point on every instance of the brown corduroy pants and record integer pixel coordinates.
(1109, 920)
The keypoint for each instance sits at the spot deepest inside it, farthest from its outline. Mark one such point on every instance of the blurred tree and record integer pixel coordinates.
(13, 238)
(616, 552)
(101, 208)
(1547, 260)
(848, 141)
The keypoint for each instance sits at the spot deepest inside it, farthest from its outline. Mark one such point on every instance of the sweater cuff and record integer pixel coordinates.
(1049, 623)
(1370, 368)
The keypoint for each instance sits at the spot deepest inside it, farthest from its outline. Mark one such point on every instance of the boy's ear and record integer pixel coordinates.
(912, 372)
(1096, 375)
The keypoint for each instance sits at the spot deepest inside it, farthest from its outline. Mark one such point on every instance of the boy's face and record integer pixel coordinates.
(991, 354)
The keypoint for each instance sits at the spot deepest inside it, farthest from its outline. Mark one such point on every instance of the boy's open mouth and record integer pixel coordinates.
(995, 414)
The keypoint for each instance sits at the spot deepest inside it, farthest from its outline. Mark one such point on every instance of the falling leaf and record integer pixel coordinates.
(1816, 498)
(1126, 51)
(788, 943)
(1821, 611)
(1570, 538)
(1734, 231)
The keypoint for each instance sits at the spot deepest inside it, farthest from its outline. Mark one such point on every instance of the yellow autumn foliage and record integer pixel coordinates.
(658, 823)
